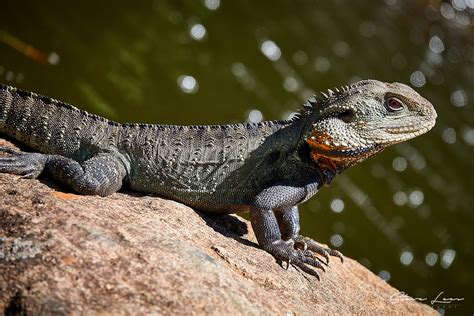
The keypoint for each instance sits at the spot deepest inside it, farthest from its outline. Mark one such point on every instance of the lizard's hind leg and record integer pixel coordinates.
(101, 174)
(28, 165)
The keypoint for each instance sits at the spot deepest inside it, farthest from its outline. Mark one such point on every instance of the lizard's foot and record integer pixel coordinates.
(28, 165)
(306, 243)
(285, 251)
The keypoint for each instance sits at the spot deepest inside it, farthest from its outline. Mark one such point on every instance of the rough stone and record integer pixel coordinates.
(62, 253)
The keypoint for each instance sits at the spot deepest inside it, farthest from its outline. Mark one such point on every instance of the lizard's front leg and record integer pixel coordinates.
(275, 221)
(288, 221)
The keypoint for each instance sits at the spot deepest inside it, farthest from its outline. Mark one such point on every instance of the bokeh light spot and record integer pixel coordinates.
(399, 164)
(188, 84)
(416, 198)
(336, 240)
(406, 258)
(447, 258)
(255, 116)
(436, 45)
(385, 275)
(468, 135)
(418, 79)
(337, 205)
(322, 64)
(271, 50)
(449, 135)
(459, 98)
(431, 259)
(212, 4)
(198, 32)
(290, 84)
(400, 198)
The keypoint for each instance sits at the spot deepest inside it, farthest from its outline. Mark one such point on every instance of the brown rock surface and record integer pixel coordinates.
(133, 254)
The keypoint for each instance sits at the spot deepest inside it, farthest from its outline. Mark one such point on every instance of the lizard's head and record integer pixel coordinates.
(358, 121)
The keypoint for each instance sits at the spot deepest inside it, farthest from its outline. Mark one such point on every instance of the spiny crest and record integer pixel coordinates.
(323, 98)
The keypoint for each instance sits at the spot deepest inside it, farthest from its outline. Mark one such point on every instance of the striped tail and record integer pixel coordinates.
(48, 125)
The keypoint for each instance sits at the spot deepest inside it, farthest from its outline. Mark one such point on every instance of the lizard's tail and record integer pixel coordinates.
(45, 124)
(4, 106)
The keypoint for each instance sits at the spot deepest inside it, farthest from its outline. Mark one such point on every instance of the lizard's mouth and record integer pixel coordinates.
(411, 130)
(345, 153)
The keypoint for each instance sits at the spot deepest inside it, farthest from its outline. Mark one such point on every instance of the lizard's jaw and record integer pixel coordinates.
(323, 144)
(347, 148)
(336, 156)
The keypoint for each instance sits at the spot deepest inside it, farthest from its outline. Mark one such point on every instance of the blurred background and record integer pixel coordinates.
(406, 214)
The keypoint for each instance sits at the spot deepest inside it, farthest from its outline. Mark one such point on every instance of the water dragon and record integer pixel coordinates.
(265, 168)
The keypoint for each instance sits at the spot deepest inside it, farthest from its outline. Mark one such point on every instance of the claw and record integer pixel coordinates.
(303, 254)
(7, 159)
(13, 163)
(301, 244)
(310, 253)
(325, 254)
(11, 168)
(314, 263)
(336, 253)
(326, 263)
(27, 165)
(323, 251)
(307, 269)
(29, 175)
(8, 150)
(314, 260)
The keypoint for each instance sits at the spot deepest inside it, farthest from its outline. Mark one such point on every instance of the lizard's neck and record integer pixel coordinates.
(325, 168)
(329, 168)
(311, 153)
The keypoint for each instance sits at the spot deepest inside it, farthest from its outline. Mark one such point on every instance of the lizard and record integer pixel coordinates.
(266, 168)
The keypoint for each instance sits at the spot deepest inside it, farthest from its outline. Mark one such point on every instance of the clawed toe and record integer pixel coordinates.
(311, 245)
(336, 253)
(5, 159)
(304, 261)
(288, 254)
(307, 269)
(27, 165)
(310, 259)
(8, 150)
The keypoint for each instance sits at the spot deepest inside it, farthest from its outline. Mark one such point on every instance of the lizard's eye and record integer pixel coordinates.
(394, 104)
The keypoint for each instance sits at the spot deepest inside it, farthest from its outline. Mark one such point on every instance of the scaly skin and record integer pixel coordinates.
(266, 168)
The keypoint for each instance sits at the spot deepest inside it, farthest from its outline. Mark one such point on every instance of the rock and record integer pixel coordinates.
(64, 253)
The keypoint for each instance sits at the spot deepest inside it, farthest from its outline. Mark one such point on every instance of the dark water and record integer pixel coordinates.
(406, 214)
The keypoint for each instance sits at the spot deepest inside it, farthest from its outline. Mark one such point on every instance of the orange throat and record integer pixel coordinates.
(321, 143)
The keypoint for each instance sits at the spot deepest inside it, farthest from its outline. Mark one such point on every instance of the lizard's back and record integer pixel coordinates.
(208, 167)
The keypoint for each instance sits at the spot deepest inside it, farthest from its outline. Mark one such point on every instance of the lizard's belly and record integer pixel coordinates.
(211, 194)
(204, 200)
